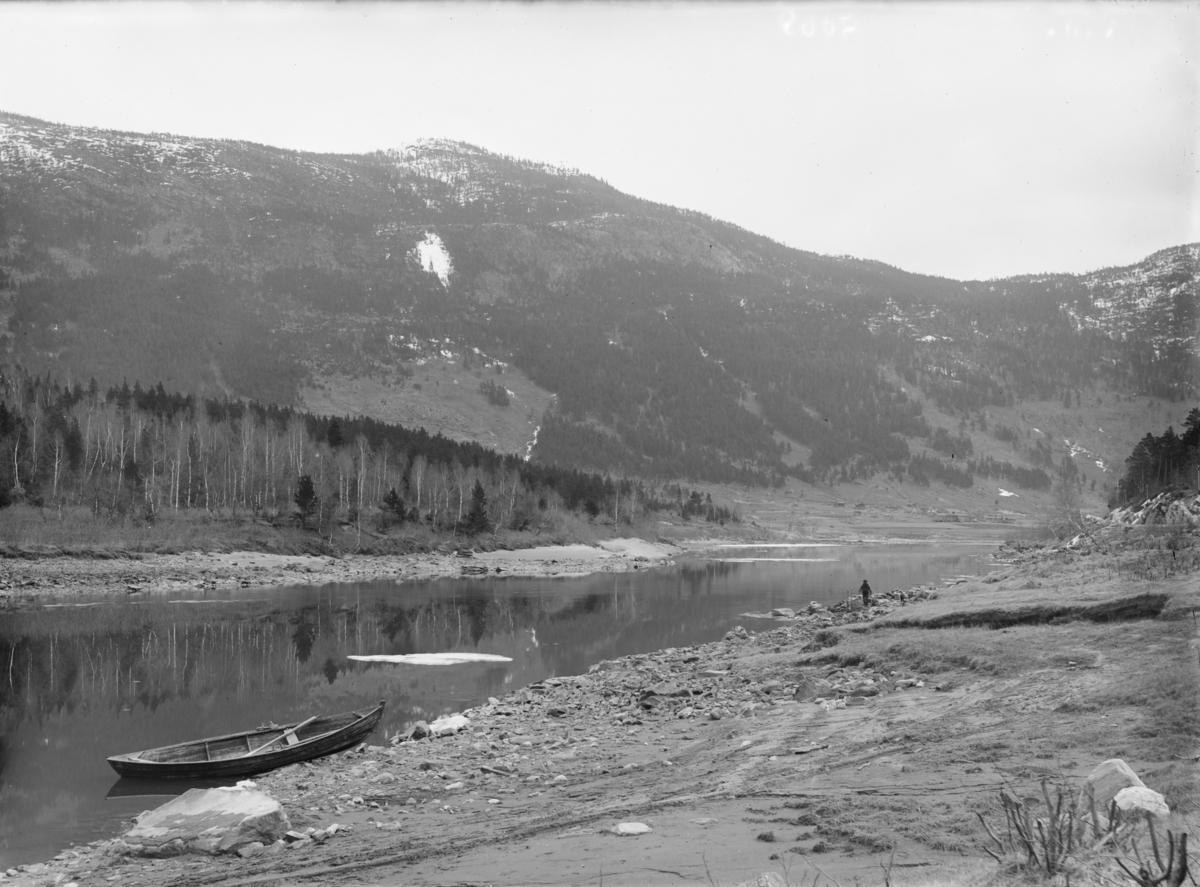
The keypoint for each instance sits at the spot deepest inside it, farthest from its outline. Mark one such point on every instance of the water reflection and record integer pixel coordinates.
(157, 790)
(79, 683)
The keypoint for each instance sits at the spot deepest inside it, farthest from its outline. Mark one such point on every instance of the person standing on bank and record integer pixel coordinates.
(865, 589)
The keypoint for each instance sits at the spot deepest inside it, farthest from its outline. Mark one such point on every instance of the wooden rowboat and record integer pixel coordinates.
(255, 751)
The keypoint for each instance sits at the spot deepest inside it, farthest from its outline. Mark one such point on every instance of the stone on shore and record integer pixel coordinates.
(1145, 799)
(627, 829)
(449, 725)
(1109, 778)
(210, 821)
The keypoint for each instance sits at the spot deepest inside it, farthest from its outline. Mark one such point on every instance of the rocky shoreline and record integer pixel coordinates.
(643, 719)
(30, 578)
(842, 741)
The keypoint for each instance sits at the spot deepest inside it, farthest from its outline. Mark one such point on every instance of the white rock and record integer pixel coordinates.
(196, 817)
(1108, 779)
(449, 725)
(1142, 798)
(626, 829)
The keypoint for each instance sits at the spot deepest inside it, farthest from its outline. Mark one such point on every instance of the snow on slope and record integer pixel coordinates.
(433, 256)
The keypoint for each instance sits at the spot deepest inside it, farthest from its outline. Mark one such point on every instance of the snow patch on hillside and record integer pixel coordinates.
(532, 443)
(433, 256)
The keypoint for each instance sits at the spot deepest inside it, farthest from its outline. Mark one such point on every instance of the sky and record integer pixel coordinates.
(966, 140)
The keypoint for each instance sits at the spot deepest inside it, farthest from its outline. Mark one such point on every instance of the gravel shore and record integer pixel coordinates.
(29, 578)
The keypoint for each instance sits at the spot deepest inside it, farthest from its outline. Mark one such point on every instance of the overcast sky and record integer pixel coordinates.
(965, 140)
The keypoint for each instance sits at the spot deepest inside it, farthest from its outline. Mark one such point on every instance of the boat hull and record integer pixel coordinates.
(251, 752)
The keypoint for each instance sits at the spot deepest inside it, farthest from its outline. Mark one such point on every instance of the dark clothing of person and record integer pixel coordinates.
(865, 588)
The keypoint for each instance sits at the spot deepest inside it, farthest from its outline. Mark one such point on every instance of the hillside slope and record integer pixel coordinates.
(644, 339)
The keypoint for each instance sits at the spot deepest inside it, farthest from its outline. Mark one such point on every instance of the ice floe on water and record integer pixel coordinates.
(432, 658)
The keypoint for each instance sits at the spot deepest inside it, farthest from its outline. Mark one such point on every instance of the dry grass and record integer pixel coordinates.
(1006, 652)
(32, 531)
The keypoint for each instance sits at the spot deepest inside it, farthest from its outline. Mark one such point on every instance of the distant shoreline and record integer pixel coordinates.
(31, 579)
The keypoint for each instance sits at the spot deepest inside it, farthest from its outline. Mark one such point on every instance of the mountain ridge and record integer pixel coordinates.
(674, 344)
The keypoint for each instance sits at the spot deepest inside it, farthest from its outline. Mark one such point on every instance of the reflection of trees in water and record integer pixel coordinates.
(304, 635)
(118, 657)
(464, 619)
(697, 575)
(492, 681)
(330, 670)
(642, 613)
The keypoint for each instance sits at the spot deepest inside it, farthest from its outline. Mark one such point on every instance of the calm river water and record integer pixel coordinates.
(84, 679)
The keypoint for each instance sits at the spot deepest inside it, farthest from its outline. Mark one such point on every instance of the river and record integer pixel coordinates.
(85, 678)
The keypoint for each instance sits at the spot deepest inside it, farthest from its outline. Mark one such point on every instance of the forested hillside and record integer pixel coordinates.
(135, 452)
(1156, 463)
(676, 346)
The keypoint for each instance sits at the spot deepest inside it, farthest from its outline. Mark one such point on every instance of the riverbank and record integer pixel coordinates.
(832, 741)
(35, 576)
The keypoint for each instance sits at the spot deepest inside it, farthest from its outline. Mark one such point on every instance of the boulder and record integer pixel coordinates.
(214, 820)
(419, 730)
(1144, 799)
(627, 829)
(786, 612)
(808, 688)
(448, 725)
(1108, 779)
(666, 688)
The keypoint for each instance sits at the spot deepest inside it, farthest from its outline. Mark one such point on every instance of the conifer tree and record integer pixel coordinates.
(476, 521)
(306, 498)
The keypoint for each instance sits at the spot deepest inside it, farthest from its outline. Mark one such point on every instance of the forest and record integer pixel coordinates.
(139, 452)
(1156, 463)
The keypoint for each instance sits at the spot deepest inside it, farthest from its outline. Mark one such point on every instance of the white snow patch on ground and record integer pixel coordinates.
(532, 443)
(433, 257)
(1005, 493)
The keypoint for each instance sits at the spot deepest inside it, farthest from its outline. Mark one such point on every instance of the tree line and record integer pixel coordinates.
(144, 451)
(1159, 462)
